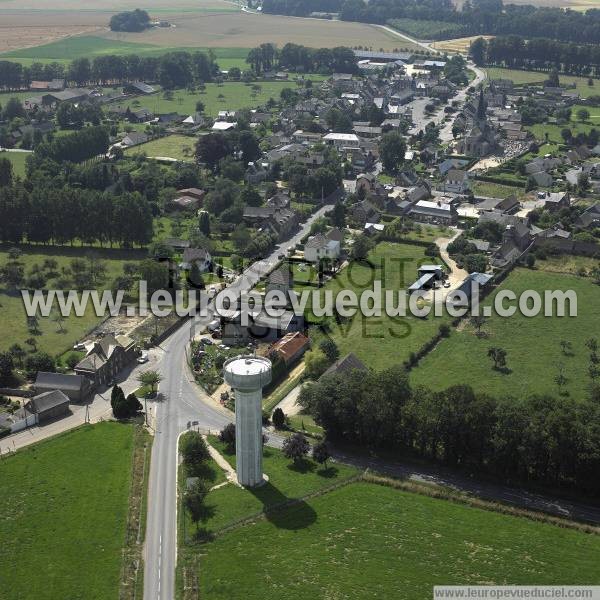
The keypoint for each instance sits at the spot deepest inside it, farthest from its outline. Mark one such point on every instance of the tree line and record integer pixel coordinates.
(66, 215)
(171, 70)
(537, 54)
(476, 17)
(296, 57)
(540, 439)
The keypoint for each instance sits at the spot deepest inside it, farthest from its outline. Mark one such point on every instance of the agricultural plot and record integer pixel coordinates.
(247, 30)
(533, 345)
(400, 543)
(65, 501)
(459, 45)
(91, 46)
(381, 342)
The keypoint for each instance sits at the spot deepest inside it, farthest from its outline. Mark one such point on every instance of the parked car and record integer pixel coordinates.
(79, 346)
(143, 358)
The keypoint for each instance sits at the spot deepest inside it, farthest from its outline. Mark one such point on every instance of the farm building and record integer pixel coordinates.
(48, 406)
(75, 387)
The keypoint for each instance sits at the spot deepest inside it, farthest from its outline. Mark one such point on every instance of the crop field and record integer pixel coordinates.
(460, 45)
(51, 337)
(462, 358)
(65, 502)
(383, 341)
(401, 543)
(90, 46)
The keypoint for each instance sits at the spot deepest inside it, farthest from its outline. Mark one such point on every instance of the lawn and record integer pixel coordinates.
(18, 162)
(180, 147)
(13, 326)
(368, 541)
(381, 342)
(519, 77)
(64, 505)
(230, 503)
(532, 345)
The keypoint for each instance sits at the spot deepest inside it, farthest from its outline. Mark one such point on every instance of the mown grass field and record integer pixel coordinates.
(367, 541)
(13, 325)
(381, 342)
(18, 161)
(532, 345)
(64, 507)
(180, 147)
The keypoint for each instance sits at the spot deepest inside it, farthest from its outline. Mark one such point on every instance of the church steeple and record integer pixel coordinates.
(481, 107)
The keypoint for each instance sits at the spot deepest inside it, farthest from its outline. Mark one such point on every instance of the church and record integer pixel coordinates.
(481, 138)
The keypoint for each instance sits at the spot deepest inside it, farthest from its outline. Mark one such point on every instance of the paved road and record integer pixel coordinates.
(184, 403)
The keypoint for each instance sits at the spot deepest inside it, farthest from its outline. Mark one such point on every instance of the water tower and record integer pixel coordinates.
(248, 375)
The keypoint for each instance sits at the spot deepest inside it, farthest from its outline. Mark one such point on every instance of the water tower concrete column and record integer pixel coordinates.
(247, 375)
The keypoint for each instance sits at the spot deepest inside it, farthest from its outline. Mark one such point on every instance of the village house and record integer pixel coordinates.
(106, 359)
(290, 348)
(198, 256)
(321, 247)
(456, 182)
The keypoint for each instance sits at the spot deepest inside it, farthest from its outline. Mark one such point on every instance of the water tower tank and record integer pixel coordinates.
(247, 375)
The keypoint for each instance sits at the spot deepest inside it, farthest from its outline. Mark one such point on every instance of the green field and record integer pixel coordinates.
(532, 344)
(554, 131)
(90, 46)
(519, 76)
(367, 541)
(64, 507)
(180, 147)
(230, 503)
(13, 325)
(216, 97)
(383, 341)
(18, 161)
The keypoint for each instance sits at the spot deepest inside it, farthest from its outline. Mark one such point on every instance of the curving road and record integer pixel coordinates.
(184, 404)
